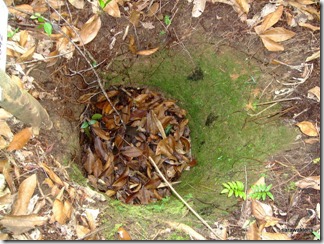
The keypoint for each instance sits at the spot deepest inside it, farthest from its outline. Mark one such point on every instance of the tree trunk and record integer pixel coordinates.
(23, 105)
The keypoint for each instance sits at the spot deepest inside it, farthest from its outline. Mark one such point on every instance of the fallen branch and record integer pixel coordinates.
(187, 229)
(182, 200)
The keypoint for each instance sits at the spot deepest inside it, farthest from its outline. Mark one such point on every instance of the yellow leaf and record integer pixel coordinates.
(278, 34)
(274, 236)
(272, 45)
(81, 231)
(308, 128)
(90, 29)
(112, 9)
(20, 139)
(271, 19)
(307, 25)
(25, 192)
(147, 52)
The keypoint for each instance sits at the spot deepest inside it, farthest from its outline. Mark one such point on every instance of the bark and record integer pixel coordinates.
(23, 105)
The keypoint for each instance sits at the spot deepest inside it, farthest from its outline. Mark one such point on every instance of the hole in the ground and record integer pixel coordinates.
(119, 136)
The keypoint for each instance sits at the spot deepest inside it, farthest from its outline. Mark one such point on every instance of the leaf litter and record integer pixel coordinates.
(115, 155)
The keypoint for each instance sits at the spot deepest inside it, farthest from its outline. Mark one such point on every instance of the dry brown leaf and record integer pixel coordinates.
(260, 181)
(20, 139)
(23, 37)
(153, 9)
(90, 29)
(244, 5)
(274, 236)
(27, 55)
(278, 34)
(130, 151)
(308, 128)
(52, 61)
(315, 93)
(271, 19)
(309, 182)
(314, 56)
(198, 8)
(132, 45)
(147, 52)
(62, 211)
(123, 235)
(81, 231)
(307, 25)
(253, 232)
(112, 9)
(272, 45)
(4, 114)
(25, 10)
(51, 174)
(79, 4)
(261, 210)
(134, 17)
(25, 192)
(22, 223)
(5, 130)
(271, 221)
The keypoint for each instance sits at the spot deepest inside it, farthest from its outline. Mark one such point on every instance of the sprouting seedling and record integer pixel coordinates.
(235, 188)
(86, 124)
(103, 3)
(47, 26)
(261, 191)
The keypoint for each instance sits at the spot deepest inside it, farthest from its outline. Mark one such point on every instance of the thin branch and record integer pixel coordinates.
(182, 200)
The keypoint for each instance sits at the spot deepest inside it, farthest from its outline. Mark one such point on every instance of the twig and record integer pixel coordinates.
(89, 63)
(182, 200)
(280, 100)
(187, 229)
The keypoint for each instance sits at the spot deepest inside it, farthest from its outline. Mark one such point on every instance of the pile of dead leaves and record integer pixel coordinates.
(119, 136)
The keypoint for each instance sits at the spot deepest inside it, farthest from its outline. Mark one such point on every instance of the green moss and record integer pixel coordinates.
(214, 86)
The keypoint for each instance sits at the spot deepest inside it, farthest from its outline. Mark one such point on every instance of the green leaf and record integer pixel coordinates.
(84, 125)
(230, 193)
(231, 184)
(40, 19)
(264, 195)
(168, 129)
(224, 191)
(48, 28)
(270, 195)
(96, 116)
(226, 185)
(10, 34)
(167, 20)
(240, 185)
(269, 187)
(91, 122)
(236, 193)
(243, 195)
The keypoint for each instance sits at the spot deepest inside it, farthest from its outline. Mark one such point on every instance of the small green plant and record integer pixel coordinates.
(162, 32)
(47, 26)
(234, 187)
(261, 191)
(10, 34)
(317, 235)
(167, 20)
(103, 3)
(86, 124)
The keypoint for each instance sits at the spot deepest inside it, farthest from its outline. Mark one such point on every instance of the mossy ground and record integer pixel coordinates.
(214, 86)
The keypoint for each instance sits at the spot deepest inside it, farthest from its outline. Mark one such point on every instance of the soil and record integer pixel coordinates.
(221, 26)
